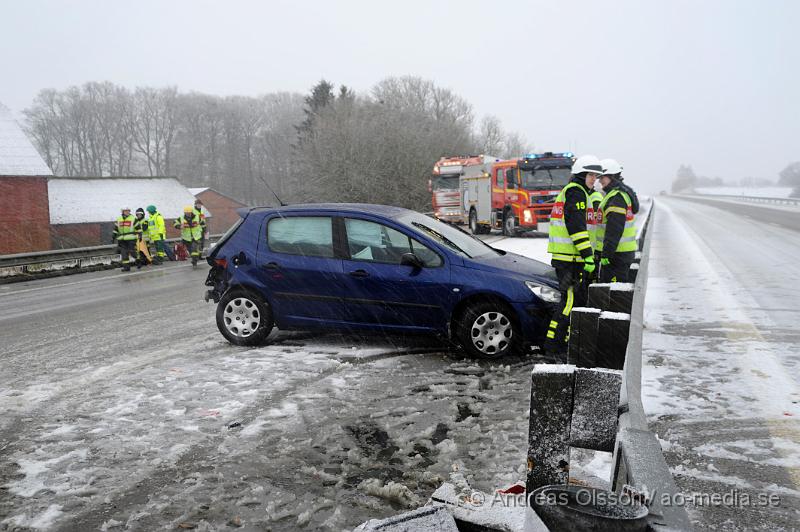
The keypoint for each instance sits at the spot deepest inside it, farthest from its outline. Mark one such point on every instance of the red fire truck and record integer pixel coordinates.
(445, 184)
(517, 195)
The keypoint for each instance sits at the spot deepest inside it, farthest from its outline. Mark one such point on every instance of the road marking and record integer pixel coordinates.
(743, 330)
(126, 274)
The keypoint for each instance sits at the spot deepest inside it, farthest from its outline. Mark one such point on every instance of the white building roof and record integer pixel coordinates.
(87, 200)
(18, 157)
(196, 191)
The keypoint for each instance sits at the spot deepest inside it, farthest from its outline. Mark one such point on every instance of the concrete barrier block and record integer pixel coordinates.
(621, 297)
(612, 339)
(548, 432)
(583, 336)
(599, 296)
(594, 411)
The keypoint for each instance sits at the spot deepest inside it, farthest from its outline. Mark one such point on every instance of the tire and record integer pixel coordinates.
(488, 330)
(509, 224)
(474, 227)
(244, 318)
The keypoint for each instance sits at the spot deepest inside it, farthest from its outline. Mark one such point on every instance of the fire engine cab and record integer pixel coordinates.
(517, 195)
(445, 185)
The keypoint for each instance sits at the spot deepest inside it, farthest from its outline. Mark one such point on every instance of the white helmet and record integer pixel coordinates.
(587, 163)
(611, 167)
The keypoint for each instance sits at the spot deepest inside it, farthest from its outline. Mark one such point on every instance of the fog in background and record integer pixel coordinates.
(653, 84)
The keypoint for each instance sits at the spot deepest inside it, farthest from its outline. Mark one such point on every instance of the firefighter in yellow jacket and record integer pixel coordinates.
(572, 237)
(125, 237)
(191, 232)
(157, 230)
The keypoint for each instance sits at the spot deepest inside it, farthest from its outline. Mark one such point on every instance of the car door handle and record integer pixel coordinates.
(359, 273)
(272, 266)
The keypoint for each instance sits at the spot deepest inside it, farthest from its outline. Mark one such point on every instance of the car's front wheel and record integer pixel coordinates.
(473, 222)
(244, 318)
(488, 330)
(509, 224)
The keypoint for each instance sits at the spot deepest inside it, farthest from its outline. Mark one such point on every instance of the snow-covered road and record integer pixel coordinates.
(722, 358)
(124, 407)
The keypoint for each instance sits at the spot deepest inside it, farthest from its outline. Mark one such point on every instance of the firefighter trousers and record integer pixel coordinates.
(127, 248)
(616, 271)
(572, 283)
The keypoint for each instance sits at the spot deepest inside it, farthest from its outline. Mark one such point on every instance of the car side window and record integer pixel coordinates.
(501, 183)
(374, 242)
(311, 236)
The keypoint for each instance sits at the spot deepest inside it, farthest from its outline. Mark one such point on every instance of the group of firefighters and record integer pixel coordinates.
(592, 238)
(135, 234)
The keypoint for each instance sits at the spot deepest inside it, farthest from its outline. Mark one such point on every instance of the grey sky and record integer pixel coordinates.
(653, 84)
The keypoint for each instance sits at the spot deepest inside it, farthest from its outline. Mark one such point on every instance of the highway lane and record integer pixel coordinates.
(722, 356)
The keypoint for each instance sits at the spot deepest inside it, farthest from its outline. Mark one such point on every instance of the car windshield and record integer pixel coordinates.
(456, 240)
(545, 178)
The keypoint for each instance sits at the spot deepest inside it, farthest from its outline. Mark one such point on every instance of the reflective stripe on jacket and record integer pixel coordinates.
(191, 229)
(563, 245)
(627, 241)
(125, 230)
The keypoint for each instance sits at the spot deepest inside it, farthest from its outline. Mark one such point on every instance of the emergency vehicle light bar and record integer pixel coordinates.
(547, 155)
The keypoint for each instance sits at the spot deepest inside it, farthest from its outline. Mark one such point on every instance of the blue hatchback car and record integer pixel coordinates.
(375, 267)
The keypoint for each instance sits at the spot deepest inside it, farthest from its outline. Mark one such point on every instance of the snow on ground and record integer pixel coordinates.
(758, 192)
(312, 431)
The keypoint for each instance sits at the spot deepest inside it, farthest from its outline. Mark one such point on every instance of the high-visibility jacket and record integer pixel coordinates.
(156, 227)
(124, 229)
(572, 240)
(202, 216)
(140, 227)
(191, 228)
(597, 199)
(613, 206)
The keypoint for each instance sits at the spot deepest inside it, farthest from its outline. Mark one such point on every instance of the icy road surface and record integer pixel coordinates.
(722, 358)
(124, 408)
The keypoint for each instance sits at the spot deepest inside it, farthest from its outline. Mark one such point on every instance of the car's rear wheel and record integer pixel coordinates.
(244, 318)
(488, 330)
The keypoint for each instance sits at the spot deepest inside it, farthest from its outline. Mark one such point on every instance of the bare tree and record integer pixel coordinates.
(152, 122)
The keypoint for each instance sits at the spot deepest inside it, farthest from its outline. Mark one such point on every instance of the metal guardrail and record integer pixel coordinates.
(639, 464)
(22, 266)
(750, 199)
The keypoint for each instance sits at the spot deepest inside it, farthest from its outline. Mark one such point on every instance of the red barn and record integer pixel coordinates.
(24, 210)
(220, 207)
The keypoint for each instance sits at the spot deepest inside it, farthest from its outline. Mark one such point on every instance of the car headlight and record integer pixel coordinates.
(545, 293)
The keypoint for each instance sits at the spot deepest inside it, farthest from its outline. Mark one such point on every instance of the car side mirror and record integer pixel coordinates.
(409, 259)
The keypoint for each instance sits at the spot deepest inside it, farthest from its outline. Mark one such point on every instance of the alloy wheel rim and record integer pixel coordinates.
(491, 333)
(241, 317)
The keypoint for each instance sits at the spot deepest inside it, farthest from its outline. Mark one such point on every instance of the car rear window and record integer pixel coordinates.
(311, 236)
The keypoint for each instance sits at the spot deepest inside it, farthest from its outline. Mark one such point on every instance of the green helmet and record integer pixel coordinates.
(151, 209)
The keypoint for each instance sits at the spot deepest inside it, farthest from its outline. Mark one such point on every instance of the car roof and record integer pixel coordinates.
(389, 211)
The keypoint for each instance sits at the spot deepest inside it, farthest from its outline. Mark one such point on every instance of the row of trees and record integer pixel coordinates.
(331, 145)
(686, 180)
